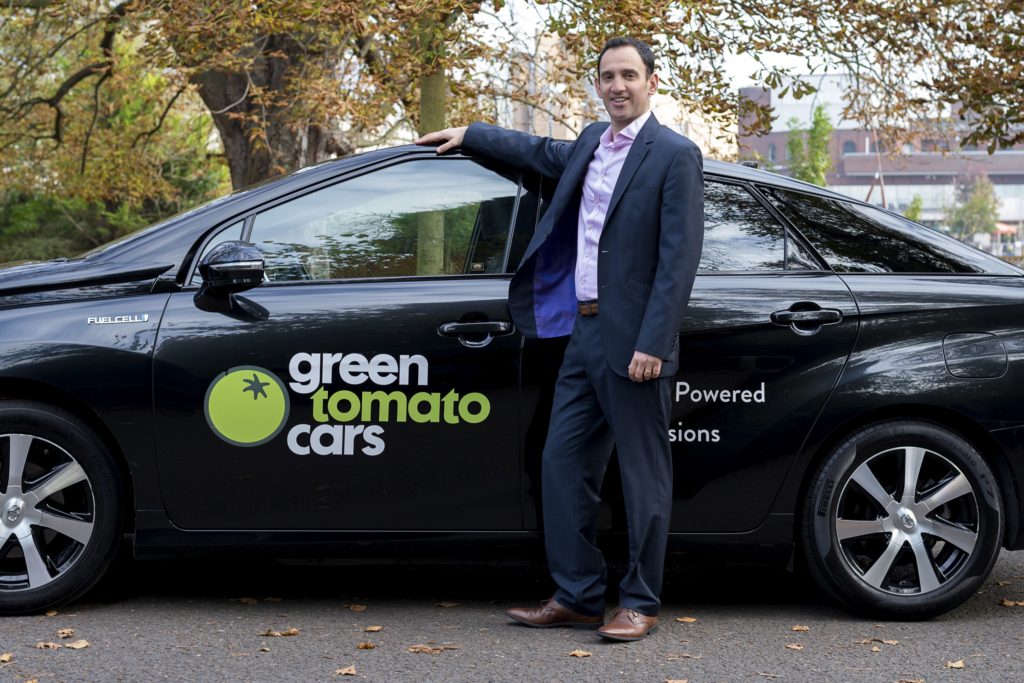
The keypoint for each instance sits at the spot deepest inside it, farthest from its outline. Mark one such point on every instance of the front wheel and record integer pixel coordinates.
(903, 520)
(60, 518)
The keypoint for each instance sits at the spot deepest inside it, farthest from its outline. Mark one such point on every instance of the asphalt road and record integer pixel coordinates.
(205, 621)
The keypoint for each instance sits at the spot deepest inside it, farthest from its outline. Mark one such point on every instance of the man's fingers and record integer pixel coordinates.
(643, 367)
(449, 138)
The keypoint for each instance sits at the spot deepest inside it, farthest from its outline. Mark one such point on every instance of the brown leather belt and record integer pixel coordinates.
(587, 308)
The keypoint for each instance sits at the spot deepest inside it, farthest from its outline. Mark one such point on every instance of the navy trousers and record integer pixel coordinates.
(595, 409)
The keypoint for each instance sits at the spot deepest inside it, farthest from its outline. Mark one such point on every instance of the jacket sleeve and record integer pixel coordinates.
(546, 156)
(679, 248)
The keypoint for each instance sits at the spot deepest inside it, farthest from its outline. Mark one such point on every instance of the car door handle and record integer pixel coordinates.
(806, 321)
(488, 328)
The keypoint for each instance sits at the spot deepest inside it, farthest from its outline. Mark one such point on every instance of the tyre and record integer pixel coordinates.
(903, 521)
(60, 513)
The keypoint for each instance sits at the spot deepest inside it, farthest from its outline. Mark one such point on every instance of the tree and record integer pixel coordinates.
(809, 158)
(913, 211)
(291, 83)
(977, 209)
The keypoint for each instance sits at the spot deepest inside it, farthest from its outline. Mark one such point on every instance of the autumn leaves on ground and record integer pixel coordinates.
(248, 621)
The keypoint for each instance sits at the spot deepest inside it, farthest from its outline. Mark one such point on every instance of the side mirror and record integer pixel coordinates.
(231, 267)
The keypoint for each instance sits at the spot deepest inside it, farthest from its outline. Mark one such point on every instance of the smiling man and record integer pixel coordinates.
(612, 264)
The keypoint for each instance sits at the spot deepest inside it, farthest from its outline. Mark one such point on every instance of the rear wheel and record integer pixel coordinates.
(903, 520)
(60, 519)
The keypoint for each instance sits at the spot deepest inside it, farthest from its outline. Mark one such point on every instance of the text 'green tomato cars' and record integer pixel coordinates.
(337, 345)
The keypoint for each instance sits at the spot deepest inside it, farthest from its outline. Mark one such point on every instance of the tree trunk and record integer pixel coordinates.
(260, 141)
(433, 90)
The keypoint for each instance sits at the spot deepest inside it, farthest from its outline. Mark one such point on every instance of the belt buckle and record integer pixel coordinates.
(587, 308)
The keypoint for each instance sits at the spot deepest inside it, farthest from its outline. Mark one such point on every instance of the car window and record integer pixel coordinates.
(854, 238)
(232, 232)
(423, 217)
(740, 233)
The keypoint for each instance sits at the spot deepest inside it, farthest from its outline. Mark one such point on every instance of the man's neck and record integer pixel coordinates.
(617, 127)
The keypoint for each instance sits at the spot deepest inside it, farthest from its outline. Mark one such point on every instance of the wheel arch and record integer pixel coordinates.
(975, 434)
(41, 392)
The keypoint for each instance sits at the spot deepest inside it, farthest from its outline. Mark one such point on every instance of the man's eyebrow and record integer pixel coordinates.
(626, 70)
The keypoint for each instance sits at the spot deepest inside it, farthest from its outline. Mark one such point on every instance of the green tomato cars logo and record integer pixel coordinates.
(247, 405)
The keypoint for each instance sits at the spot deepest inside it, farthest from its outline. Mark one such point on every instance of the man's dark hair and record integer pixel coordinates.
(646, 53)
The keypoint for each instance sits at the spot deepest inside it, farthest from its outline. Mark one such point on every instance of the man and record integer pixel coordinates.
(612, 262)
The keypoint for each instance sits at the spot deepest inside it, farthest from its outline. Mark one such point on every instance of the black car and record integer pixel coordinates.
(324, 365)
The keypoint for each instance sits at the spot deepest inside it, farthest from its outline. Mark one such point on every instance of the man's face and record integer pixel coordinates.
(623, 85)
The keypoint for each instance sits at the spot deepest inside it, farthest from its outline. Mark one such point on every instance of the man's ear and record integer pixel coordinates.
(652, 84)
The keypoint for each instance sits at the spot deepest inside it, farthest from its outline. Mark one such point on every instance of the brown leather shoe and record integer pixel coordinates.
(627, 624)
(551, 614)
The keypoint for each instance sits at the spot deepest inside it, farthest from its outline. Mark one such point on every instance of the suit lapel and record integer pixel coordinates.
(637, 151)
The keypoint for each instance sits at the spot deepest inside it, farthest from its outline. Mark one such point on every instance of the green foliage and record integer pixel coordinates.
(913, 211)
(978, 212)
(809, 158)
(35, 227)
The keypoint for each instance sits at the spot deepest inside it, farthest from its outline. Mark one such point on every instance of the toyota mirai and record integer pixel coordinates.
(324, 365)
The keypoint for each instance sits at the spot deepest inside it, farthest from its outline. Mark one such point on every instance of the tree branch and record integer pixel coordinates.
(150, 133)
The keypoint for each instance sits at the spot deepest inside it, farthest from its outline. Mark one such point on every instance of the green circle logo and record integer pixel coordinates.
(247, 405)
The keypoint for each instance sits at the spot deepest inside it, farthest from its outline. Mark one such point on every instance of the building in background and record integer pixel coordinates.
(862, 168)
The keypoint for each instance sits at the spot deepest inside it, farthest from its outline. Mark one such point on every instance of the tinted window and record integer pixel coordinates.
(425, 217)
(861, 239)
(739, 232)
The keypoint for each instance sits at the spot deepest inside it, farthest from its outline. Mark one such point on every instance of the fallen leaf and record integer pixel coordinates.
(676, 680)
(264, 649)
(271, 599)
(794, 646)
(580, 653)
(373, 629)
(357, 608)
(958, 664)
(269, 633)
(52, 613)
(347, 671)
(431, 649)
(6, 657)
(365, 646)
(768, 675)
(1003, 583)
(65, 632)
(910, 680)
(876, 649)
(447, 604)
(78, 645)
(1011, 603)
(801, 629)
(248, 601)
(686, 620)
(47, 646)
(868, 641)
(675, 657)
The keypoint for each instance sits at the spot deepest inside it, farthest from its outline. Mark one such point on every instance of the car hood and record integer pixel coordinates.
(24, 278)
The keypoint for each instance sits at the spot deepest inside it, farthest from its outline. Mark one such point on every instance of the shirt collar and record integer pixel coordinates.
(628, 133)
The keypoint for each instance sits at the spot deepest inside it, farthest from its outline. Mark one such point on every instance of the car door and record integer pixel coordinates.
(370, 382)
(766, 334)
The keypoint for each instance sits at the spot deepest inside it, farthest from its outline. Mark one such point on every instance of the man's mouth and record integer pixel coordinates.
(620, 100)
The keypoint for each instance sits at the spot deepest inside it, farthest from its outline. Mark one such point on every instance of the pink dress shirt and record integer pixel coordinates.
(598, 186)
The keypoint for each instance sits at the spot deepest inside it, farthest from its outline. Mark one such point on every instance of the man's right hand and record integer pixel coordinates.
(449, 137)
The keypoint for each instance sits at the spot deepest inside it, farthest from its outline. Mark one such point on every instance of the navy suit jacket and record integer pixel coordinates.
(649, 248)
